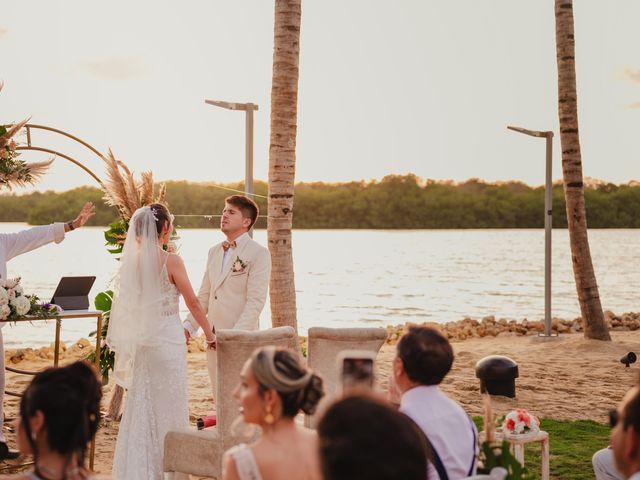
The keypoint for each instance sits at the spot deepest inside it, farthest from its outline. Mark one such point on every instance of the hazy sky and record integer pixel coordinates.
(385, 87)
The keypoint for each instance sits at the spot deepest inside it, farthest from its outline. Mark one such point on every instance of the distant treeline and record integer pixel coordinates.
(396, 202)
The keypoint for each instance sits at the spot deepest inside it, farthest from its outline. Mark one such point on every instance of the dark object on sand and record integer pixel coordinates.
(628, 359)
(497, 375)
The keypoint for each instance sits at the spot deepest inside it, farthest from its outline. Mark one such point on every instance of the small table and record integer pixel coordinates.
(518, 442)
(66, 315)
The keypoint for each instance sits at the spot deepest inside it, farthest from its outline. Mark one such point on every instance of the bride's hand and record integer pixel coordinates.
(211, 342)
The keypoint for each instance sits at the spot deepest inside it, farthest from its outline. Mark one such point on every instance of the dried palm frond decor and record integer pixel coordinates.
(13, 171)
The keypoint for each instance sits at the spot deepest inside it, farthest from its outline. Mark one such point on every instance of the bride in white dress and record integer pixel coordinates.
(147, 337)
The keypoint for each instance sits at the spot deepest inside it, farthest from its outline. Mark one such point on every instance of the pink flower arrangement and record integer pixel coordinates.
(520, 421)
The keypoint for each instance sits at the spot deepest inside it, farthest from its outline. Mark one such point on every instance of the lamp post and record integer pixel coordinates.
(548, 204)
(248, 108)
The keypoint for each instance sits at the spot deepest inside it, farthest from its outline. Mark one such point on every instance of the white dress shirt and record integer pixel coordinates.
(14, 244)
(226, 258)
(448, 428)
(228, 255)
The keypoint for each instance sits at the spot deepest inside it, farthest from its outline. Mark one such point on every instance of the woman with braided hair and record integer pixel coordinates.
(274, 387)
(59, 416)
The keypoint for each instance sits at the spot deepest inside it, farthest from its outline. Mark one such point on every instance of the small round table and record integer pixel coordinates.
(519, 441)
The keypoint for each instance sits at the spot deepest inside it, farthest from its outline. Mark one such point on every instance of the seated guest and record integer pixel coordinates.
(625, 435)
(274, 387)
(423, 358)
(59, 415)
(604, 465)
(362, 437)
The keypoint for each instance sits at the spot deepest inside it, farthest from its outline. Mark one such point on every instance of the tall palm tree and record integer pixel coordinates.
(592, 316)
(282, 160)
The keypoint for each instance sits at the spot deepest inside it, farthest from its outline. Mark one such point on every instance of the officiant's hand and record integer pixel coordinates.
(85, 214)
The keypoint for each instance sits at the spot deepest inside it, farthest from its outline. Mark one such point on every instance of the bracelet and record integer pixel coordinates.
(70, 225)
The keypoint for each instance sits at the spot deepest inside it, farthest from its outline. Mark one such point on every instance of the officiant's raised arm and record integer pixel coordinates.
(14, 244)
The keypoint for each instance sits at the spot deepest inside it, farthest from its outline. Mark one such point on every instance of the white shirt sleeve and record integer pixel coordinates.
(15, 244)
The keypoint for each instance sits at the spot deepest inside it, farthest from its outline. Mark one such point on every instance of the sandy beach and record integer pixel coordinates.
(562, 378)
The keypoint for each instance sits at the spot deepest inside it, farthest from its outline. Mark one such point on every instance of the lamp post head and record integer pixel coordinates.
(532, 133)
(232, 105)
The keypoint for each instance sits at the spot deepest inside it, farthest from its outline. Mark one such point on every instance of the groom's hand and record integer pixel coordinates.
(187, 335)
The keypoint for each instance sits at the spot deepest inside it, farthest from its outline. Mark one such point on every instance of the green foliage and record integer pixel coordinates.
(395, 202)
(571, 446)
(501, 456)
(103, 303)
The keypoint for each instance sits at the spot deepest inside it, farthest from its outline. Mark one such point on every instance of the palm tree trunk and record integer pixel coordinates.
(592, 316)
(282, 160)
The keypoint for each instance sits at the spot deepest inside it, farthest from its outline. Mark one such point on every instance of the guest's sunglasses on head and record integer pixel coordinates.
(614, 418)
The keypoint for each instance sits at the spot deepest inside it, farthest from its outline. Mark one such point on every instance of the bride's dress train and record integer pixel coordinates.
(156, 400)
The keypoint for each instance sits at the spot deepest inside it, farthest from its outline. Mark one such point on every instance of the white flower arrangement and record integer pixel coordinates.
(519, 422)
(238, 265)
(14, 304)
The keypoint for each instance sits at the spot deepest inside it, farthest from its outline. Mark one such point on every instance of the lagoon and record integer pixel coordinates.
(347, 278)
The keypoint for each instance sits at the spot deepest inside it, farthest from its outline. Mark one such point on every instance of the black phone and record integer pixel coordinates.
(356, 369)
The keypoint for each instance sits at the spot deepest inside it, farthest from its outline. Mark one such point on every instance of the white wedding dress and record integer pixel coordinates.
(156, 400)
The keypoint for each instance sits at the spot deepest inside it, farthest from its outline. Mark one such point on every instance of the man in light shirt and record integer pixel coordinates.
(12, 245)
(423, 358)
(234, 286)
(625, 434)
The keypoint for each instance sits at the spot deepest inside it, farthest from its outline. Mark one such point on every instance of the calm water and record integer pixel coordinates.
(374, 277)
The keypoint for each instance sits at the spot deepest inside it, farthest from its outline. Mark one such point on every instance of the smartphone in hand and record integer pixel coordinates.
(356, 369)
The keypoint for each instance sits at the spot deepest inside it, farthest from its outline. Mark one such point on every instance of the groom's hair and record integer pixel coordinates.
(247, 207)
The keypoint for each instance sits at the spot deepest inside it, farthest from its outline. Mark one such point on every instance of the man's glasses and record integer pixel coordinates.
(614, 418)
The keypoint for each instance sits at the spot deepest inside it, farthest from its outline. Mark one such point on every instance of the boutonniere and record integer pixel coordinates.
(238, 265)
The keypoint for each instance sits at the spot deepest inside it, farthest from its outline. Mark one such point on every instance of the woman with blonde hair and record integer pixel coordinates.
(274, 387)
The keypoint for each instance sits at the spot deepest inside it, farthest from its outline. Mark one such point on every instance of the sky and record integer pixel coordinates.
(420, 86)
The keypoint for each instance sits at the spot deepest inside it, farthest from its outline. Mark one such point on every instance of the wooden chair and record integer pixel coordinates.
(323, 347)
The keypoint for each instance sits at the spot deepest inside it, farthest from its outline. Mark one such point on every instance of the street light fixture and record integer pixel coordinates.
(548, 204)
(248, 108)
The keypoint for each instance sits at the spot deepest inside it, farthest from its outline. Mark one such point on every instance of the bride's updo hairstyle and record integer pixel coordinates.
(69, 399)
(161, 214)
(281, 370)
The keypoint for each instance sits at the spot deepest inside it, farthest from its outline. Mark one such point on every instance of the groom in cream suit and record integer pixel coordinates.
(234, 286)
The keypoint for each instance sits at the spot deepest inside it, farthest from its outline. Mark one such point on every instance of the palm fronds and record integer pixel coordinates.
(146, 188)
(115, 188)
(10, 131)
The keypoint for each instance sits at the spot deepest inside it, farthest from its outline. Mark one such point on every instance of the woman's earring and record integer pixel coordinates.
(268, 418)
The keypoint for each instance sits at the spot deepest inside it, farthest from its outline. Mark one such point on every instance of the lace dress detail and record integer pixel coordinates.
(157, 400)
(245, 462)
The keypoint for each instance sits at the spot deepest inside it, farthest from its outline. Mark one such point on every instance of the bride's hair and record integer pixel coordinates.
(281, 370)
(69, 398)
(161, 215)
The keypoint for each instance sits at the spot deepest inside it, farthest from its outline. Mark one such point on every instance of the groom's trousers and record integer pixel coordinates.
(212, 366)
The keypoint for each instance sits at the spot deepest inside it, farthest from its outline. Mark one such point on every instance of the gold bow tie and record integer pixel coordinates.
(227, 245)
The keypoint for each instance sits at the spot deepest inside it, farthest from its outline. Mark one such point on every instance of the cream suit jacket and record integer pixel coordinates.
(235, 299)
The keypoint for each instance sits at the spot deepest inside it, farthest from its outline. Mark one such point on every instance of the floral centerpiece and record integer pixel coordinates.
(520, 422)
(14, 304)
